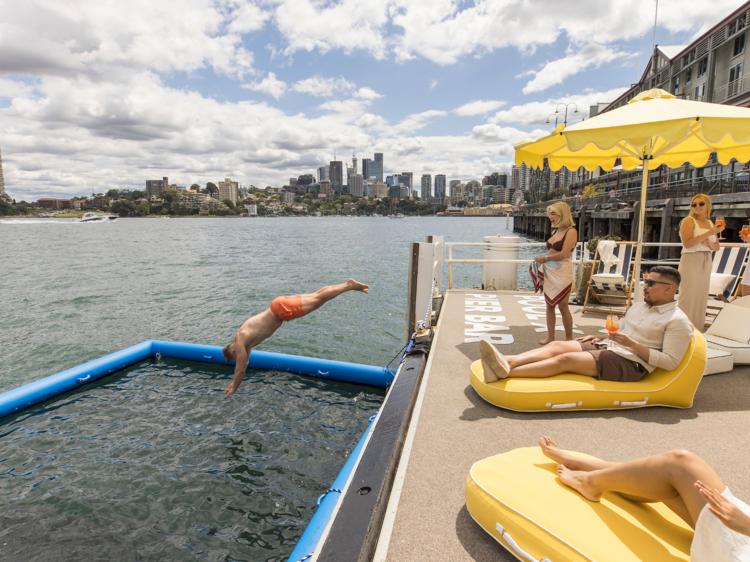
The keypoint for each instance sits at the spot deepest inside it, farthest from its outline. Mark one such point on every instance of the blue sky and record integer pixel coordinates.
(105, 96)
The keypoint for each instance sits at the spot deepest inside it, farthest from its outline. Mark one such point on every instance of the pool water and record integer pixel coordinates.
(153, 463)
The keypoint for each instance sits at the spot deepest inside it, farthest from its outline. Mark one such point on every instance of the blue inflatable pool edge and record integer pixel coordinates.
(35, 392)
(317, 525)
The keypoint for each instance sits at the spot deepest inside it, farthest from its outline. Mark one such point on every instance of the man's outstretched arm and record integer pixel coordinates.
(239, 370)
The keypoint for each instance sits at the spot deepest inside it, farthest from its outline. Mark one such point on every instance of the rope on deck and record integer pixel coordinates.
(421, 326)
(322, 497)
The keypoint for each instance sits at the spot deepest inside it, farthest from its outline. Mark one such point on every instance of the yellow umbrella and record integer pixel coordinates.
(655, 128)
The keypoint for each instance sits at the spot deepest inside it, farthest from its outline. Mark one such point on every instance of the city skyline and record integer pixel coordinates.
(103, 99)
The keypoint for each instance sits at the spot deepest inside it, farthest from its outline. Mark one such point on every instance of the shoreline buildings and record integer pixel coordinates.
(709, 69)
(229, 189)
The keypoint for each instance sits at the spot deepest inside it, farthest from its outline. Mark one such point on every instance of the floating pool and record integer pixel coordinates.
(153, 463)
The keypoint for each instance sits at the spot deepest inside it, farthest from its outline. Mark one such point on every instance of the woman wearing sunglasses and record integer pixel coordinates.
(699, 241)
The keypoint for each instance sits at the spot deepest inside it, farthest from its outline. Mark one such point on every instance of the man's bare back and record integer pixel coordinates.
(262, 326)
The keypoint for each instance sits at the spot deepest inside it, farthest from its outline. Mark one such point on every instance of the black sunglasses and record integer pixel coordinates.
(651, 282)
(699, 204)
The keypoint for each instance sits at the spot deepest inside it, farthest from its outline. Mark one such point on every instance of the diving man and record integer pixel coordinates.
(262, 326)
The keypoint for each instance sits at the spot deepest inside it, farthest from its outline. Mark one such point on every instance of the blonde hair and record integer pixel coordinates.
(563, 211)
(707, 200)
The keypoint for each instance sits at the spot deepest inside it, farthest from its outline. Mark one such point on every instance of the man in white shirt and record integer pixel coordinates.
(654, 333)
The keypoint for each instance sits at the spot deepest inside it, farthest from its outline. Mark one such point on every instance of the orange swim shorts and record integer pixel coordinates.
(287, 308)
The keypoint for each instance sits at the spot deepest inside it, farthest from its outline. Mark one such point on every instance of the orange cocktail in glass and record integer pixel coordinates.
(613, 325)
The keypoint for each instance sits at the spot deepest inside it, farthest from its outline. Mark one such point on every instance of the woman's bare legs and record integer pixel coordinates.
(551, 319)
(668, 477)
(312, 301)
(567, 318)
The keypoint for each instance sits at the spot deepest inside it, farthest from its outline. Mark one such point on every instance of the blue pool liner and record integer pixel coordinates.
(48, 387)
(314, 530)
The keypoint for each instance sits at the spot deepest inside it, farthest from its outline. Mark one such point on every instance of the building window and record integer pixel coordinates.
(699, 92)
(702, 67)
(676, 85)
(735, 80)
(737, 25)
(688, 76)
(739, 45)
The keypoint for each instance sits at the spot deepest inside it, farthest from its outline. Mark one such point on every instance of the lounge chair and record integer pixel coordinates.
(614, 282)
(731, 330)
(727, 267)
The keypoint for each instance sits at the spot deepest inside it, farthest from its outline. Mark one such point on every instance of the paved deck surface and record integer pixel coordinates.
(456, 428)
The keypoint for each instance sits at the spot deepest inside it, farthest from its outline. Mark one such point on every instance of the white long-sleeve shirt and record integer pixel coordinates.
(665, 330)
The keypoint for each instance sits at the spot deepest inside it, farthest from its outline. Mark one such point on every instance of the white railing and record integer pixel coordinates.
(733, 88)
(580, 255)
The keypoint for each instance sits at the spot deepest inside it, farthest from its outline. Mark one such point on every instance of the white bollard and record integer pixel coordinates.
(500, 276)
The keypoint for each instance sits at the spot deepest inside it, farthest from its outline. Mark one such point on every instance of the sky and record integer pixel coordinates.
(106, 95)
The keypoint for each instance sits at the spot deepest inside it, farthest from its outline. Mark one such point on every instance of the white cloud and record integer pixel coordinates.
(347, 25)
(556, 71)
(269, 85)
(367, 94)
(325, 87)
(14, 88)
(479, 107)
(95, 39)
(433, 83)
(416, 121)
(370, 121)
(536, 113)
(444, 31)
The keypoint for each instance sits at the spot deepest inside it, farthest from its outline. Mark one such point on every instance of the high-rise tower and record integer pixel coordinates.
(3, 195)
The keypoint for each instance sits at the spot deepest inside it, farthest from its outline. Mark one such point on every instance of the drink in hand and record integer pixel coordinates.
(721, 223)
(745, 232)
(613, 325)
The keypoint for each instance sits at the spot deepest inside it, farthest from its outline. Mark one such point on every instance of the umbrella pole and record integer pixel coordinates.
(641, 226)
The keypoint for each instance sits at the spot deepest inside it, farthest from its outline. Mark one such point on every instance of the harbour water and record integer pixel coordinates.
(72, 292)
(155, 453)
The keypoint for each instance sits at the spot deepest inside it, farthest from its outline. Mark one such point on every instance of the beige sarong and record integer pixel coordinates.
(695, 272)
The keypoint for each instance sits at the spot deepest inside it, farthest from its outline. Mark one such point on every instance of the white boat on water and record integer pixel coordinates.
(398, 216)
(97, 217)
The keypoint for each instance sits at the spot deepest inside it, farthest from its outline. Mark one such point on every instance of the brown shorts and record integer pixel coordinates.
(613, 367)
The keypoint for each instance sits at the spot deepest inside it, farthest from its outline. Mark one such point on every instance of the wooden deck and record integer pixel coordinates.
(452, 428)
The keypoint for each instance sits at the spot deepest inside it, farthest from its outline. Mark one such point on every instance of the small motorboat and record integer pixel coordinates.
(97, 217)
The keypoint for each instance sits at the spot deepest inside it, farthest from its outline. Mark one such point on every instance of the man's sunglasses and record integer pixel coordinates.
(699, 204)
(651, 282)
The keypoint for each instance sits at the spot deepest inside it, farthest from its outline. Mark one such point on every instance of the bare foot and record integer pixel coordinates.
(494, 364)
(552, 451)
(357, 286)
(545, 341)
(580, 482)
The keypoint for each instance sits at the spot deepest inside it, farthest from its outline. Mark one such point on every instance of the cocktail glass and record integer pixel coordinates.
(721, 223)
(613, 325)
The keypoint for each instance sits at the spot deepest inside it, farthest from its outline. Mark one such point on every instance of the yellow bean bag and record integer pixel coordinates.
(518, 499)
(576, 392)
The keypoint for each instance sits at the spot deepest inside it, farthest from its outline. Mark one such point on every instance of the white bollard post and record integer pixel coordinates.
(437, 272)
(501, 276)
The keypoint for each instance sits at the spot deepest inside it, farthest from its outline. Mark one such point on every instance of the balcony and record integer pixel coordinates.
(731, 90)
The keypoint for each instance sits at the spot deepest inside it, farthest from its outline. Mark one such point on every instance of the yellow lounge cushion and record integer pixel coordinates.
(674, 388)
(518, 499)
